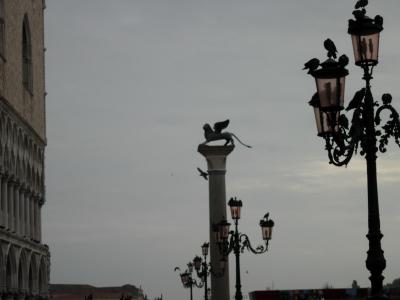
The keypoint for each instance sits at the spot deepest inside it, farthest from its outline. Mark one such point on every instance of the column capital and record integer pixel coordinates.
(215, 156)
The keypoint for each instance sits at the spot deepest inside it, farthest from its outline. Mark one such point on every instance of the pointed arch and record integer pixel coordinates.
(22, 270)
(26, 55)
(43, 276)
(32, 275)
(11, 268)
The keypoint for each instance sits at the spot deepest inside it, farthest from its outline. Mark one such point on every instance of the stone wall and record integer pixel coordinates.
(29, 104)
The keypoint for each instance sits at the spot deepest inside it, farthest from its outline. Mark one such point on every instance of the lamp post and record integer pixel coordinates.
(237, 242)
(342, 140)
(204, 269)
(187, 280)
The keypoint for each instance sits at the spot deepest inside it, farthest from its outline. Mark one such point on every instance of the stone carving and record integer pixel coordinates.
(216, 134)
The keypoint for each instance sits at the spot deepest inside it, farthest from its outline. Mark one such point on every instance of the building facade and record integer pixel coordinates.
(24, 260)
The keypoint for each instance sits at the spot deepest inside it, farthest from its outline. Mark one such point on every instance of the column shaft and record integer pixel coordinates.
(4, 199)
(16, 207)
(36, 219)
(27, 216)
(216, 162)
(22, 211)
(10, 193)
(40, 220)
(32, 217)
(2, 213)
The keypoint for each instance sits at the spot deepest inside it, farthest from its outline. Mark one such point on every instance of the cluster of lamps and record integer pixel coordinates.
(228, 241)
(236, 242)
(343, 138)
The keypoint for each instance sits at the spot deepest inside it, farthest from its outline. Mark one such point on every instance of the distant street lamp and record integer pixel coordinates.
(187, 279)
(342, 140)
(204, 269)
(237, 242)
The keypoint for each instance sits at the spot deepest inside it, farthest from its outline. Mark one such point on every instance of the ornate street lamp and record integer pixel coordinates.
(343, 138)
(187, 279)
(237, 242)
(204, 269)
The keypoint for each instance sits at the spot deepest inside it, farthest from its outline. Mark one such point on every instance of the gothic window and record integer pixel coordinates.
(2, 30)
(26, 56)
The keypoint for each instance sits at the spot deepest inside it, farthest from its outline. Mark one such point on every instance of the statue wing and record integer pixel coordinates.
(219, 126)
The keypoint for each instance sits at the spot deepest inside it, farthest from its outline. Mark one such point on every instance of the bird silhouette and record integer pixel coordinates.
(314, 102)
(386, 99)
(202, 173)
(356, 101)
(266, 216)
(343, 122)
(359, 14)
(177, 269)
(361, 3)
(378, 20)
(331, 48)
(311, 65)
(343, 60)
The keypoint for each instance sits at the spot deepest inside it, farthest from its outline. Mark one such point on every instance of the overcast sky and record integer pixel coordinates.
(130, 84)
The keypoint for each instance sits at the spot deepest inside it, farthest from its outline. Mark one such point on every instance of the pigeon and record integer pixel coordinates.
(343, 122)
(203, 174)
(311, 65)
(386, 99)
(343, 60)
(378, 20)
(359, 14)
(330, 47)
(266, 216)
(314, 102)
(361, 3)
(356, 101)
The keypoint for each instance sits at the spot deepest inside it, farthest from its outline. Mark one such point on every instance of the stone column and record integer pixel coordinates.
(216, 162)
(4, 200)
(40, 219)
(36, 218)
(32, 216)
(16, 207)
(22, 210)
(27, 216)
(2, 212)
(10, 194)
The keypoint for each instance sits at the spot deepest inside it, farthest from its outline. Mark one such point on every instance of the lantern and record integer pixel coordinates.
(327, 121)
(185, 278)
(223, 230)
(204, 249)
(330, 81)
(197, 262)
(266, 229)
(235, 206)
(365, 34)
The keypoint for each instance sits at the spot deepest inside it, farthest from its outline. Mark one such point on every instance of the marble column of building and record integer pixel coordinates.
(2, 213)
(32, 216)
(16, 207)
(4, 200)
(40, 219)
(27, 215)
(36, 219)
(22, 210)
(216, 162)
(10, 194)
